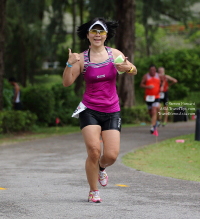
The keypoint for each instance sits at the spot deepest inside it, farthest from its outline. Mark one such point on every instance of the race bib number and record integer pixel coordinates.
(78, 110)
(162, 95)
(150, 98)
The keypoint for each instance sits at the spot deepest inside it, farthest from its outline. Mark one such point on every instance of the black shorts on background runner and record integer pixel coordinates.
(165, 99)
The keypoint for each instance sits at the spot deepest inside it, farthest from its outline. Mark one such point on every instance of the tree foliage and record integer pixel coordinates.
(55, 32)
(102, 8)
(155, 9)
(24, 39)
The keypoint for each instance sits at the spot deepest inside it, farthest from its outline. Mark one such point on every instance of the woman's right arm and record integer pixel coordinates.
(71, 73)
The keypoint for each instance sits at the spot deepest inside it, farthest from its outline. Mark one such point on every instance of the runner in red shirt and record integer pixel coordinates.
(152, 83)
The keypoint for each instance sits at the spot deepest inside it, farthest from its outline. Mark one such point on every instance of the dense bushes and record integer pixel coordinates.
(135, 114)
(61, 102)
(7, 95)
(184, 65)
(15, 121)
(48, 104)
(65, 103)
(40, 101)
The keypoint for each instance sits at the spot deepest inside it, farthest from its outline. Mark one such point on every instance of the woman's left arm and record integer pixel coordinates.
(125, 66)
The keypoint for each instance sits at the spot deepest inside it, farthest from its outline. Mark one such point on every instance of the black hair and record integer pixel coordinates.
(111, 26)
(12, 79)
(152, 65)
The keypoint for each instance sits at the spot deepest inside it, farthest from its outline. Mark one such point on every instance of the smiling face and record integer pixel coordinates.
(96, 38)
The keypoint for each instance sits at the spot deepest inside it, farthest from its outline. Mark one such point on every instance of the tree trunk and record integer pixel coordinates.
(147, 40)
(79, 80)
(23, 62)
(74, 25)
(145, 16)
(125, 43)
(2, 42)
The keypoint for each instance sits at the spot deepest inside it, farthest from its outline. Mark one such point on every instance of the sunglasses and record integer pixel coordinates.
(101, 32)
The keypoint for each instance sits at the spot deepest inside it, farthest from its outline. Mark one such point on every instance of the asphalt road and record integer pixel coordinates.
(46, 178)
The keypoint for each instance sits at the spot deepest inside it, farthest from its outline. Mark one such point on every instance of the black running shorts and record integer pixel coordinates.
(153, 104)
(107, 121)
(165, 99)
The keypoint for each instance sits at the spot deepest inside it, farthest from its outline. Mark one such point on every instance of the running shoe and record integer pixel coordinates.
(155, 132)
(164, 124)
(94, 197)
(152, 130)
(103, 178)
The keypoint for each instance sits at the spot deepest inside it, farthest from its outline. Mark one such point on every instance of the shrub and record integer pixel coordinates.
(1, 122)
(7, 95)
(16, 121)
(66, 102)
(39, 100)
(135, 115)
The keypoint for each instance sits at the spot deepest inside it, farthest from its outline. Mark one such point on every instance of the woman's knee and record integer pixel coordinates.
(94, 152)
(111, 157)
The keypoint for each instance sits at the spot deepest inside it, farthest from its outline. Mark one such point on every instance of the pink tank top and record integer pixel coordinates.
(100, 78)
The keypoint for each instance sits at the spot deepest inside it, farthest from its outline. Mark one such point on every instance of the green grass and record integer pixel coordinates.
(168, 158)
(40, 132)
(43, 132)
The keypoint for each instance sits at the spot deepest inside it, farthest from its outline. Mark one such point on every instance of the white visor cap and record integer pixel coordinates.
(99, 23)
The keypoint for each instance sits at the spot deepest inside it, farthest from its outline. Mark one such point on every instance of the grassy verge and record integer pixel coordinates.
(43, 132)
(40, 132)
(168, 158)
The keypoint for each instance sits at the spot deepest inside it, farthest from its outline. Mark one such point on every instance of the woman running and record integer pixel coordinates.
(99, 111)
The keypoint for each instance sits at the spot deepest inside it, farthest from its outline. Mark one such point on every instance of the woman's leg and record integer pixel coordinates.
(91, 134)
(111, 141)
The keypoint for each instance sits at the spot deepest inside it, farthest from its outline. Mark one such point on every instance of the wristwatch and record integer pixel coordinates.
(68, 65)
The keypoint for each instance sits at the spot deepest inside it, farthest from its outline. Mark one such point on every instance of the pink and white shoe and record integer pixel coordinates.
(103, 178)
(94, 197)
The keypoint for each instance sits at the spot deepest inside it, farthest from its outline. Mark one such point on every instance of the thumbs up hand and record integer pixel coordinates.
(73, 57)
(124, 66)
